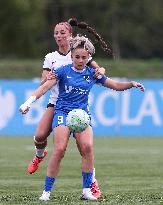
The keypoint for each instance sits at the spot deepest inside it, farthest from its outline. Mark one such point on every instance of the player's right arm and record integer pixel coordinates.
(24, 108)
(44, 76)
(44, 88)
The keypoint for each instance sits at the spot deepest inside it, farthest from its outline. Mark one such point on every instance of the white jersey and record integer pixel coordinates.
(52, 61)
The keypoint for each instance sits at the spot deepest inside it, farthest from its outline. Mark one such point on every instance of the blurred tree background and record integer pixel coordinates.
(134, 29)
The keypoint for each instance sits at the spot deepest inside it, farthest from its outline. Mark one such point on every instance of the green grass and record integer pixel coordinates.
(28, 68)
(129, 171)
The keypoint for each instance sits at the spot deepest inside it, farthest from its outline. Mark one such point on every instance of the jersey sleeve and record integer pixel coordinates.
(47, 64)
(101, 80)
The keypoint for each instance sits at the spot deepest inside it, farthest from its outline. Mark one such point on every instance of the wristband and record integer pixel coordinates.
(99, 77)
(30, 101)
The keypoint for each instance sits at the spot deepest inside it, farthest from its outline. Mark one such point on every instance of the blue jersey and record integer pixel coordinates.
(74, 87)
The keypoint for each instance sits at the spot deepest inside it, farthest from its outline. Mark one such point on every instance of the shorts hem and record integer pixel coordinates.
(50, 105)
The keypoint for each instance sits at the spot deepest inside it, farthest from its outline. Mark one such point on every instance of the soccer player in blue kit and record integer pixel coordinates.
(62, 56)
(75, 82)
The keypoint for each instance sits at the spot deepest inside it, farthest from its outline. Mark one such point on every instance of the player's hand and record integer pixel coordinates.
(51, 76)
(99, 72)
(138, 85)
(24, 108)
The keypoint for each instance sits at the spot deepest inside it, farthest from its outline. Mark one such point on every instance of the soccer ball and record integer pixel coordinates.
(77, 120)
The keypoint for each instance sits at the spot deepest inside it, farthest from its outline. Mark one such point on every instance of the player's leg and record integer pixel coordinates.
(83, 159)
(94, 186)
(61, 138)
(40, 139)
(84, 141)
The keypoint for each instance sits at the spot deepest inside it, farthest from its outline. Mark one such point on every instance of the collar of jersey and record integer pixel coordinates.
(78, 71)
(63, 53)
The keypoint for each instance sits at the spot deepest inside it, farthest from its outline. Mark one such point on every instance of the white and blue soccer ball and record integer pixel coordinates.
(77, 120)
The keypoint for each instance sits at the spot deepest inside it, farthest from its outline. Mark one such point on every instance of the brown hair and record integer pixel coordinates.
(83, 25)
(67, 26)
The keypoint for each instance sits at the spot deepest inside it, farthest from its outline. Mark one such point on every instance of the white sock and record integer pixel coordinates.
(39, 152)
(93, 177)
(85, 190)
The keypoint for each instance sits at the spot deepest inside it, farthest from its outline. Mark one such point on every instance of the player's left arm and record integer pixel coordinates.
(120, 86)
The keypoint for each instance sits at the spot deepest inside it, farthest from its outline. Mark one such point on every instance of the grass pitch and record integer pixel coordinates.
(129, 171)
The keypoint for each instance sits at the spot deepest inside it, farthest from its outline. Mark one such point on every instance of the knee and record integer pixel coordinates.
(87, 149)
(42, 132)
(40, 143)
(60, 152)
(40, 139)
(41, 136)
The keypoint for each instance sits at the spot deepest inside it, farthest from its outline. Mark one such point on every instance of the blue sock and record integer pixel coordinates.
(87, 179)
(49, 181)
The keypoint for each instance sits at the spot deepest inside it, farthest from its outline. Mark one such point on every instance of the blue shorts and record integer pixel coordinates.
(59, 118)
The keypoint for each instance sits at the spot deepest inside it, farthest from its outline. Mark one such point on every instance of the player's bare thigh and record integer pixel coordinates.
(45, 125)
(84, 140)
(61, 137)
